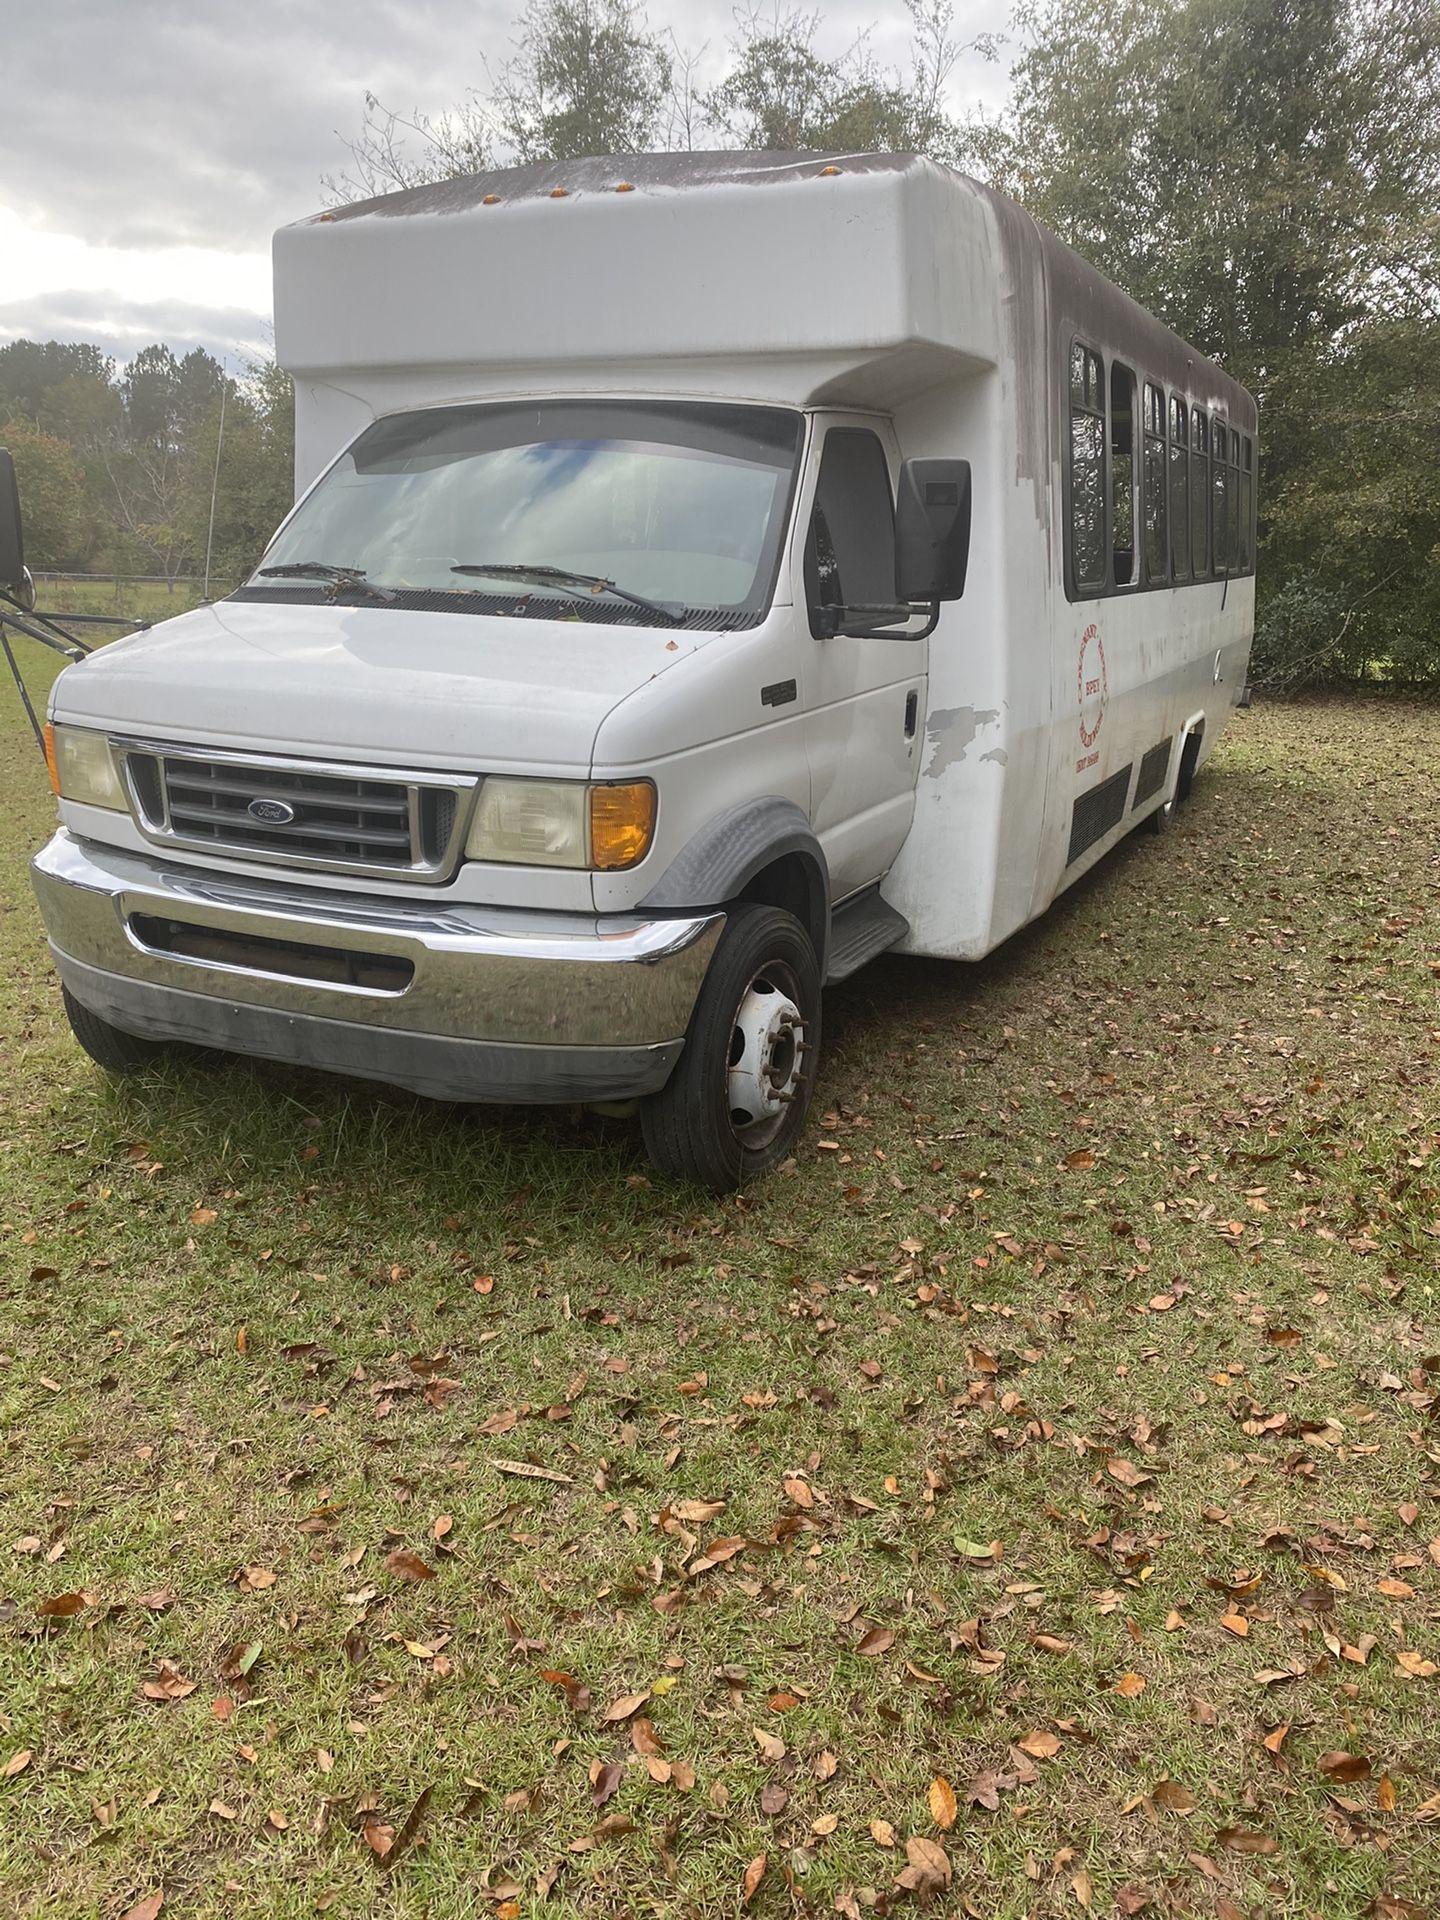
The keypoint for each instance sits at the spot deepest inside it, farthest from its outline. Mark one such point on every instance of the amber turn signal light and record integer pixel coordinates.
(622, 825)
(50, 760)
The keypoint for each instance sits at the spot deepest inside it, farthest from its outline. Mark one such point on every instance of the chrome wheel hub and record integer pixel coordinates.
(767, 1053)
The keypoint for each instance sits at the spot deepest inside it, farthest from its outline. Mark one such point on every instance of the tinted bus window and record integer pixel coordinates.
(1122, 474)
(1156, 545)
(1087, 469)
(1237, 560)
(1179, 489)
(1219, 492)
(1199, 495)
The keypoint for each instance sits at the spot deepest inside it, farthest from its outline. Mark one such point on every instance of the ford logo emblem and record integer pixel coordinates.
(271, 813)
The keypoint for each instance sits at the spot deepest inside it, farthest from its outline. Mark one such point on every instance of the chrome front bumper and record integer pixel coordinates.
(472, 1003)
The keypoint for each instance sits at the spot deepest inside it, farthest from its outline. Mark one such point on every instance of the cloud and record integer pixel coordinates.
(149, 150)
(122, 327)
(195, 123)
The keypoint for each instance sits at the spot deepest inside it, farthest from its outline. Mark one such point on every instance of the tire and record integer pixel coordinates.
(1161, 820)
(743, 1044)
(110, 1047)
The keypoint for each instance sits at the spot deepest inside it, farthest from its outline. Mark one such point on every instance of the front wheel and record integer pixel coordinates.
(736, 1102)
(110, 1047)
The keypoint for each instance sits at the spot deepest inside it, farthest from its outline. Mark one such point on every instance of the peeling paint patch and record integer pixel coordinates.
(998, 755)
(949, 732)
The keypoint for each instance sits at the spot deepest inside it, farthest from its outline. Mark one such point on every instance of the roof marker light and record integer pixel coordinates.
(559, 193)
(491, 200)
(625, 186)
(827, 173)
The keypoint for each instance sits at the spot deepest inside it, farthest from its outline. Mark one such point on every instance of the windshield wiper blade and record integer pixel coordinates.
(342, 579)
(564, 576)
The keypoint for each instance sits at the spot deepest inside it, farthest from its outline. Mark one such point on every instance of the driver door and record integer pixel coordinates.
(864, 697)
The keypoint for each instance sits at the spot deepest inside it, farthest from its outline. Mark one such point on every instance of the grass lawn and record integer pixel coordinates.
(1027, 1504)
(133, 599)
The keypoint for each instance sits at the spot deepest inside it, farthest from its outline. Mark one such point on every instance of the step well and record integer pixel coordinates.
(861, 929)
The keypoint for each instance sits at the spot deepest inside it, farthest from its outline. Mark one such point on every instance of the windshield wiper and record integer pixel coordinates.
(565, 577)
(341, 579)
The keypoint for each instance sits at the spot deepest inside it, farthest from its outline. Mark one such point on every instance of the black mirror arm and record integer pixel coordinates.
(56, 639)
(878, 623)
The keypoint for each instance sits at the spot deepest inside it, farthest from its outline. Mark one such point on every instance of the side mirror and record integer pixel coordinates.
(932, 530)
(12, 538)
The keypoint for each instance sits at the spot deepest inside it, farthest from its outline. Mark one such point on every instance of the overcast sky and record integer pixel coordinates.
(148, 150)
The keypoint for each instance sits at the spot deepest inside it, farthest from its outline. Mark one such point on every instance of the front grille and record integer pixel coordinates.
(258, 953)
(301, 813)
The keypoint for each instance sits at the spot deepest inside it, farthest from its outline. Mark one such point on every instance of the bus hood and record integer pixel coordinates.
(455, 691)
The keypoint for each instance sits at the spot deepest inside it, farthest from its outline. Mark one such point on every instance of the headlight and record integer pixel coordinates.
(82, 768)
(537, 823)
(562, 823)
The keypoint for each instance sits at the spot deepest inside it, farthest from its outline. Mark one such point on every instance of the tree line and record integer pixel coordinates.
(1264, 175)
(117, 464)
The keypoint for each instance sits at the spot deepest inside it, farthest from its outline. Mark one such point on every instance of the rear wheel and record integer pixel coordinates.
(736, 1102)
(110, 1047)
(1162, 817)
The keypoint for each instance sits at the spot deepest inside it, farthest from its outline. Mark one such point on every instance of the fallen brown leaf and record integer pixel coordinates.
(754, 1874)
(622, 1708)
(928, 1870)
(408, 1566)
(146, 1909)
(1244, 1840)
(944, 1807)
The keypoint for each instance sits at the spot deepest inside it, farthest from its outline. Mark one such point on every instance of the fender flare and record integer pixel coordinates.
(717, 864)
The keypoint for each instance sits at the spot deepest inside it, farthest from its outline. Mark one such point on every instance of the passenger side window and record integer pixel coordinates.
(1232, 498)
(1122, 474)
(1156, 546)
(1199, 494)
(1219, 487)
(850, 552)
(1247, 504)
(1087, 469)
(1179, 489)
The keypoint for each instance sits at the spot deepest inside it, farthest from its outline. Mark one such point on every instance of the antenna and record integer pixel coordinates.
(215, 481)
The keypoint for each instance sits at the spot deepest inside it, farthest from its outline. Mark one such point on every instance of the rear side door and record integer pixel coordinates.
(864, 697)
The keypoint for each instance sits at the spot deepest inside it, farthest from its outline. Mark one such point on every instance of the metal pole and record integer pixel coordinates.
(215, 482)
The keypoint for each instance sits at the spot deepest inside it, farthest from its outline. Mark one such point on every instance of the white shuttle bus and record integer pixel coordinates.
(708, 572)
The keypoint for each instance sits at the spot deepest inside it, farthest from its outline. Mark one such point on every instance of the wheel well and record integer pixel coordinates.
(792, 882)
(1189, 755)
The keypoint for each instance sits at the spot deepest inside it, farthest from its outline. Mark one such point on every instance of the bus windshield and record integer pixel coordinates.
(602, 505)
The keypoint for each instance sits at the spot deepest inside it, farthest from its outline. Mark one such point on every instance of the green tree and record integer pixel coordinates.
(31, 371)
(782, 94)
(52, 495)
(587, 76)
(593, 77)
(1264, 175)
(247, 458)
